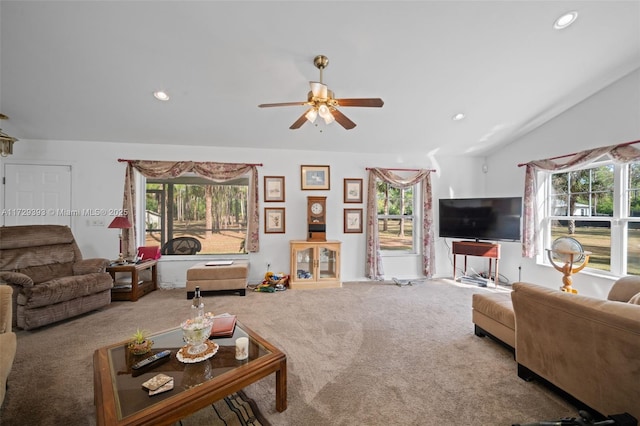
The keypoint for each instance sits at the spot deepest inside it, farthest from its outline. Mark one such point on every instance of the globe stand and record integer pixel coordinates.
(568, 269)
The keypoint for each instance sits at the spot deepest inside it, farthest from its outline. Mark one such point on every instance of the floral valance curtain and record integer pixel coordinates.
(373, 265)
(217, 172)
(622, 153)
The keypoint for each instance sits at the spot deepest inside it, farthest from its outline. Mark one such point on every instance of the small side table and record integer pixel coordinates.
(136, 288)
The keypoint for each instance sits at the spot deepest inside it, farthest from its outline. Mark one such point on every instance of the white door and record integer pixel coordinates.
(37, 195)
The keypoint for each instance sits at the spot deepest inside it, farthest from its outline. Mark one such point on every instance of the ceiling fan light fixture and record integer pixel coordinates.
(329, 118)
(318, 90)
(565, 20)
(311, 115)
(323, 110)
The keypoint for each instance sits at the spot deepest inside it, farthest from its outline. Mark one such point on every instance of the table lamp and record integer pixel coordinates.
(120, 222)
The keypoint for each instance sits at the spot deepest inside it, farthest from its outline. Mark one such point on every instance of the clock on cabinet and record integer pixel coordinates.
(316, 219)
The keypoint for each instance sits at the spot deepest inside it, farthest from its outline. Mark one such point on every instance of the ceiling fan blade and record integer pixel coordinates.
(319, 90)
(361, 102)
(299, 122)
(281, 104)
(343, 119)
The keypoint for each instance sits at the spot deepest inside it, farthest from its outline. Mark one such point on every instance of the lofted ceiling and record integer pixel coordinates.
(86, 70)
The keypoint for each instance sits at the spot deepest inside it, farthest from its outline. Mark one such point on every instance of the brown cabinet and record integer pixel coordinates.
(473, 248)
(315, 264)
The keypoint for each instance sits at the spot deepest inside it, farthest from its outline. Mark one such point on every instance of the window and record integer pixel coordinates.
(599, 206)
(190, 206)
(395, 218)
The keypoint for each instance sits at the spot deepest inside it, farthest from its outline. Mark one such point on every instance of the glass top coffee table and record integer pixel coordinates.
(120, 398)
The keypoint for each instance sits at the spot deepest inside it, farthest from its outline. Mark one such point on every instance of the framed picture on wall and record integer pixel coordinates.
(315, 177)
(274, 189)
(353, 221)
(353, 190)
(274, 220)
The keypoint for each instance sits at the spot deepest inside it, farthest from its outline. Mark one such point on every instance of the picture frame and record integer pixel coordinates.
(274, 190)
(274, 220)
(353, 221)
(315, 177)
(352, 190)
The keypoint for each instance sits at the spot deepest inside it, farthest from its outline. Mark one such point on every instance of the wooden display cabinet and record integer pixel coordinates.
(315, 264)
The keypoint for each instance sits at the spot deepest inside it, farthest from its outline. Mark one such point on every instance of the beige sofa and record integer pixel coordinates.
(589, 348)
(50, 279)
(8, 342)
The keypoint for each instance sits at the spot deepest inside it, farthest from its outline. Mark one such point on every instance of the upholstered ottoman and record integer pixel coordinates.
(493, 315)
(229, 278)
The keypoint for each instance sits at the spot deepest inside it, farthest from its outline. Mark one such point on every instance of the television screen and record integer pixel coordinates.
(495, 219)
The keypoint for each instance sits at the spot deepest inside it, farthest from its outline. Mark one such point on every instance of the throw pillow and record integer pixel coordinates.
(635, 299)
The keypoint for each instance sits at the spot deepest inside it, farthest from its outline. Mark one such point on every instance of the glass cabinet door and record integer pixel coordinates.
(328, 265)
(304, 262)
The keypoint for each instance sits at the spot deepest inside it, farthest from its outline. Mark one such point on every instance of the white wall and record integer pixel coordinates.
(609, 117)
(98, 181)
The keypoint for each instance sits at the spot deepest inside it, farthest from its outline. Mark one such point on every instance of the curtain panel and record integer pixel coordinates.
(217, 172)
(373, 262)
(622, 153)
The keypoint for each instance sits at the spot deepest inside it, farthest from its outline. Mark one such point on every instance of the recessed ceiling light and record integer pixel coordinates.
(459, 116)
(161, 95)
(565, 20)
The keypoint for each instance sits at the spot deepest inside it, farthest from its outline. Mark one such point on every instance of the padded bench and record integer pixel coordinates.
(227, 278)
(493, 316)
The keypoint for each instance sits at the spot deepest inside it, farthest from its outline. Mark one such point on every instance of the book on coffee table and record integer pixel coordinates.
(223, 325)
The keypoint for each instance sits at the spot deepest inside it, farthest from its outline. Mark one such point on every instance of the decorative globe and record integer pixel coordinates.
(195, 333)
(563, 247)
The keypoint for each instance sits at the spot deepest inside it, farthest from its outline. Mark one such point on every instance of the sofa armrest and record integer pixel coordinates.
(90, 266)
(16, 278)
(624, 289)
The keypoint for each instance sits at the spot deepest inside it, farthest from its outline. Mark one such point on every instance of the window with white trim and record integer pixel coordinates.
(215, 213)
(598, 205)
(396, 220)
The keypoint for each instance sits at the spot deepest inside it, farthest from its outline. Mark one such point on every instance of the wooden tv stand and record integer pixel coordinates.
(473, 248)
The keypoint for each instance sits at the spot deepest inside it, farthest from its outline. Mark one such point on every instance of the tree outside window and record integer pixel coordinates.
(396, 218)
(190, 206)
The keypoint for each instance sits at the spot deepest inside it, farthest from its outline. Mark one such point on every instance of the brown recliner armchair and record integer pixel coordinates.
(50, 280)
(8, 341)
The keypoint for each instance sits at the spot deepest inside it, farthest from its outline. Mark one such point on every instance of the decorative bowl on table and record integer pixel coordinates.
(195, 333)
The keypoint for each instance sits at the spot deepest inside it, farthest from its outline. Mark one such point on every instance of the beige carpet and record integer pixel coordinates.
(367, 354)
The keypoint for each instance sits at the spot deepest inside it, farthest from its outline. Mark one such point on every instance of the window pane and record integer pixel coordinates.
(396, 234)
(634, 190)
(589, 192)
(185, 207)
(595, 236)
(633, 249)
(394, 201)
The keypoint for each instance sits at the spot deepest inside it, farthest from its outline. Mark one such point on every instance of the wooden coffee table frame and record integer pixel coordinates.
(191, 400)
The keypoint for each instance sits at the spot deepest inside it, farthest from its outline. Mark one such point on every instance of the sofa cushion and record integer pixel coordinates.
(497, 306)
(63, 289)
(29, 236)
(624, 289)
(635, 299)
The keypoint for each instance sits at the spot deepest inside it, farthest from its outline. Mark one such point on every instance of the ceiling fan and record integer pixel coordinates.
(322, 102)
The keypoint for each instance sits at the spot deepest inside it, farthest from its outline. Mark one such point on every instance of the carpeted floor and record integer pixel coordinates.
(368, 353)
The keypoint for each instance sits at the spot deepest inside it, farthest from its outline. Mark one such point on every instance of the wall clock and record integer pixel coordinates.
(316, 219)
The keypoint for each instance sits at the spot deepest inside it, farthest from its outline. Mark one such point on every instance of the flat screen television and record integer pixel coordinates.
(494, 219)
